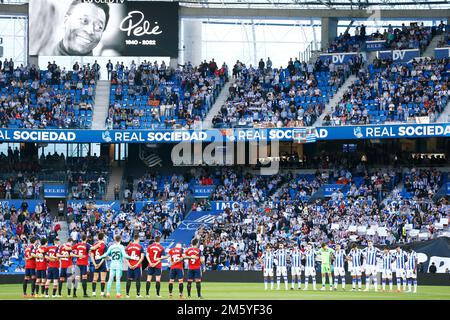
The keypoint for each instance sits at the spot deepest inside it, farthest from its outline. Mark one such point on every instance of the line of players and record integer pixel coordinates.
(69, 262)
(369, 260)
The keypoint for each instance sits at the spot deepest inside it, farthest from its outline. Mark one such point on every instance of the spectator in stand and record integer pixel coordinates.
(432, 268)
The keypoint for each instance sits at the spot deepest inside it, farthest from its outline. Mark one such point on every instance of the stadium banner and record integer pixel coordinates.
(226, 135)
(437, 251)
(394, 131)
(375, 45)
(141, 204)
(399, 55)
(201, 191)
(55, 190)
(219, 206)
(442, 53)
(328, 189)
(98, 204)
(113, 205)
(106, 28)
(186, 230)
(155, 136)
(338, 58)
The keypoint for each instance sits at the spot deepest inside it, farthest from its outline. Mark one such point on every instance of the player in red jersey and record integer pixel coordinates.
(154, 255)
(194, 269)
(30, 266)
(176, 268)
(97, 250)
(41, 266)
(134, 249)
(81, 250)
(67, 273)
(53, 267)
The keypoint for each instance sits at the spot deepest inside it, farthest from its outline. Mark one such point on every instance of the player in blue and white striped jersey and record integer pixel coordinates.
(400, 265)
(296, 266)
(268, 259)
(281, 261)
(411, 269)
(310, 266)
(338, 266)
(386, 270)
(370, 255)
(354, 258)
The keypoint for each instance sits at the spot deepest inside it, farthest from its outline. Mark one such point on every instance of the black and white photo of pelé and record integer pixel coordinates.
(75, 28)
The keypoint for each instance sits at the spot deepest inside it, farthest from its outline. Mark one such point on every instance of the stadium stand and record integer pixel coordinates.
(156, 96)
(17, 226)
(392, 92)
(415, 36)
(52, 98)
(294, 96)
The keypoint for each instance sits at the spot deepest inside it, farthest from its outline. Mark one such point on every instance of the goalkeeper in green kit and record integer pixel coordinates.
(116, 252)
(326, 254)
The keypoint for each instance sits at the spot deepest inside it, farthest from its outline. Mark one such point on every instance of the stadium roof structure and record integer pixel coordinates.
(353, 5)
(320, 4)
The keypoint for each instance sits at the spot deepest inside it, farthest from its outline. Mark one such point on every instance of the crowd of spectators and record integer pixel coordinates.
(153, 219)
(158, 96)
(422, 183)
(52, 98)
(414, 36)
(394, 92)
(16, 162)
(371, 200)
(153, 187)
(17, 225)
(283, 97)
(245, 187)
(235, 239)
(18, 176)
(19, 186)
(87, 177)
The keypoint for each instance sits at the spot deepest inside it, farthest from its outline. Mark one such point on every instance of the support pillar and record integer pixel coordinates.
(329, 31)
(192, 34)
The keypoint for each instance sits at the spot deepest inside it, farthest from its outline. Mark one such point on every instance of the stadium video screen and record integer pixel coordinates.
(93, 28)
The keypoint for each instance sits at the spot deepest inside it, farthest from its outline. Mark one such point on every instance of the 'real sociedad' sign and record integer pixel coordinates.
(396, 131)
(107, 28)
(306, 135)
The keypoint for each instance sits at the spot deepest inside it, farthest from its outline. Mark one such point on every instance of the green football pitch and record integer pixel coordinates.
(248, 291)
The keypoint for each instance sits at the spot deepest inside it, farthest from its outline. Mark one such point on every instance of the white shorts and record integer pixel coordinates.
(281, 271)
(386, 274)
(339, 271)
(268, 272)
(356, 271)
(310, 271)
(411, 274)
(296, 271)
(400, 273)
(371, 270)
